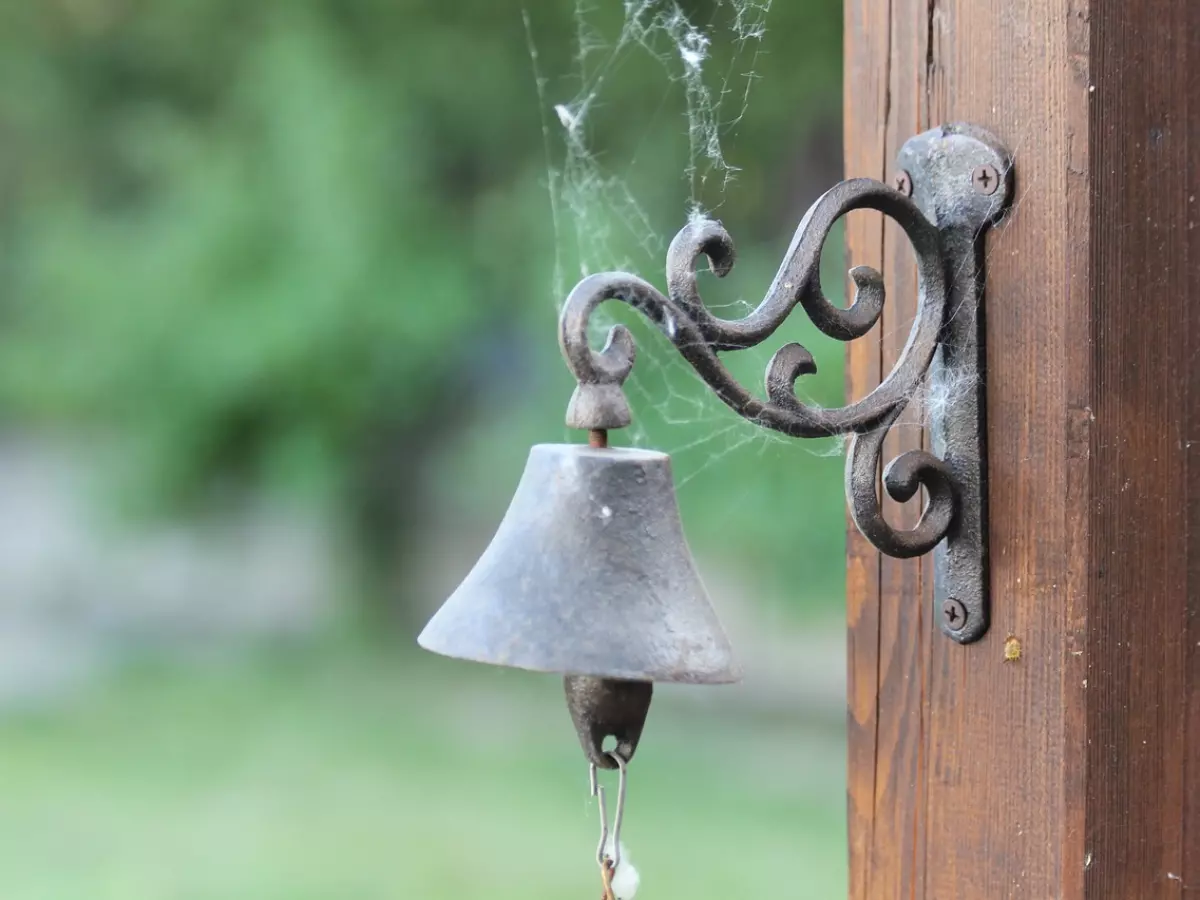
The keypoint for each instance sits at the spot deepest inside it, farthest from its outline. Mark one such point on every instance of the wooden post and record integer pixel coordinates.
(1074, 771)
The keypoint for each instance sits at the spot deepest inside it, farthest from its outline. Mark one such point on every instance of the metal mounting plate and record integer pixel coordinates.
(961, 179)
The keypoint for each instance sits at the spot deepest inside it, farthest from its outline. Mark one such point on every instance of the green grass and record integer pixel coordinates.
(324, 774)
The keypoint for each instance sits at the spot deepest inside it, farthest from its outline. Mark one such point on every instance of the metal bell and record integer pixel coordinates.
(589, 575)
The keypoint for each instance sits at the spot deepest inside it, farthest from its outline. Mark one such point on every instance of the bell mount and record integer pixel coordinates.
(961, 181)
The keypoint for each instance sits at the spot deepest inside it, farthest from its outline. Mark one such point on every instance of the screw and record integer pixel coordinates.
(954, 614)
(904, 183)
(986, 179)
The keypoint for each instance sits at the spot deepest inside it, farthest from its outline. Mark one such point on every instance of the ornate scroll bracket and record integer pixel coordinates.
(961, 183)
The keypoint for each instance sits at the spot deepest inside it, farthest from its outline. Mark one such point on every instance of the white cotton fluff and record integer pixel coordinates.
(625, 879)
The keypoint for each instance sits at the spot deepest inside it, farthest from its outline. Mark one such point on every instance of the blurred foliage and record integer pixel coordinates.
(343, 773)
(305, 245)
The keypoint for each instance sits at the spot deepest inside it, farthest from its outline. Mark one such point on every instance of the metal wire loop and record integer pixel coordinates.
(598, 793)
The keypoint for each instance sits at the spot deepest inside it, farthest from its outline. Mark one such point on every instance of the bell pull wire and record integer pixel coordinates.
(620, 883)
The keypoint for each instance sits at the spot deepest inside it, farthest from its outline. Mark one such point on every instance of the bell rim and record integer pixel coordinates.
(731, 674)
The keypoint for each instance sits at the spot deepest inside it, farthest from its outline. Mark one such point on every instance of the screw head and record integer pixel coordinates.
(904, 183)
(985, 179)
(954, 615)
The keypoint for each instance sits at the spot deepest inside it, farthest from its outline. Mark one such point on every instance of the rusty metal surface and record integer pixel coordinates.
(606, 707)
(960, 179)
(699, 336)
(963, 181)
(589, 573)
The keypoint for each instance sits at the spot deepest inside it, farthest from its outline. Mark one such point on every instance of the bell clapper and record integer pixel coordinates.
(617, 874)
(598, 438)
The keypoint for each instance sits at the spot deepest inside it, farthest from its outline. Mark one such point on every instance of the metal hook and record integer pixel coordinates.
(598, 793)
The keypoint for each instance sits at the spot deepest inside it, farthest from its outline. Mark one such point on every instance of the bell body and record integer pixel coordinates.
(589, 573)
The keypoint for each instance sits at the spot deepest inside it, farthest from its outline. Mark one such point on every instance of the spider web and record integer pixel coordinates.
(600, 224)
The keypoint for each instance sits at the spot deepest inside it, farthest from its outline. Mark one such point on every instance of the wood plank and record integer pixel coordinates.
(885, 743)
(1075, 771)
(1145, 139)
(899, 847)
(866, 88)
(998, 728)
(1190, 876)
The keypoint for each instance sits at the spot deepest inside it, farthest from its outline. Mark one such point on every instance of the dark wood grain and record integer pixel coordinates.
(1190, 126)
(1145, 154)
(1073, 772)
(1191, 814)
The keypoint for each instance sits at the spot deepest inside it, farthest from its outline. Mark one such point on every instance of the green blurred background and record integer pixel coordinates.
(278, 296)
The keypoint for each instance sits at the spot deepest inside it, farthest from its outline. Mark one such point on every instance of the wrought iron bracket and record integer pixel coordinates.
(960, 181)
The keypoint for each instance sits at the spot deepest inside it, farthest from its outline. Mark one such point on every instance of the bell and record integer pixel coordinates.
(589, 575)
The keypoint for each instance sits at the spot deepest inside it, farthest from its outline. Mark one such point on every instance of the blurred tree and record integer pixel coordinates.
(293, 244)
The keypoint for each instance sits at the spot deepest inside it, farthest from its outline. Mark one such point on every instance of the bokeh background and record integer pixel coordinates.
(278, 295)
